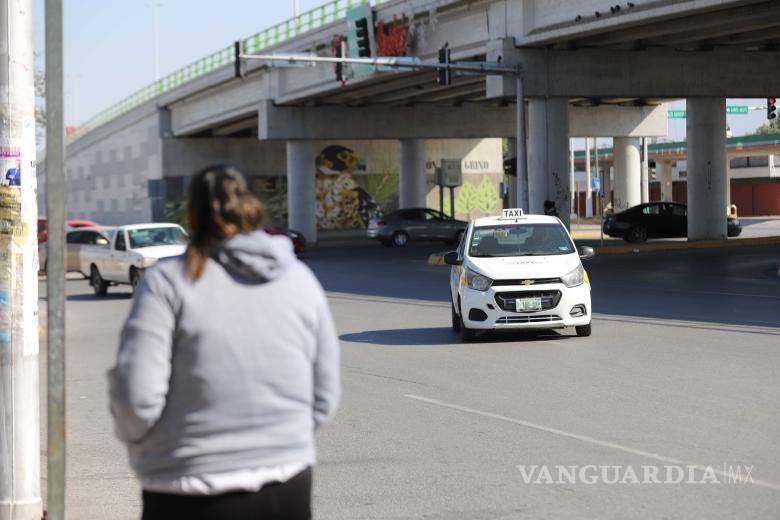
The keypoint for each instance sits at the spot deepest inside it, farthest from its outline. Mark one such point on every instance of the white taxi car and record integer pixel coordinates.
(518, 271)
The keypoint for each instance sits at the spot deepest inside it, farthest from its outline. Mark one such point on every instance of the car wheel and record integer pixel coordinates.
(467, 335)
(637, 234)
(400, 238)
(583, 330)
(135, 278)
(455, 319)
(99, 285)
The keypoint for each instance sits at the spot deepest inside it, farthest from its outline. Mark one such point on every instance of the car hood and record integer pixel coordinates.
(552, 266)
(161, 251)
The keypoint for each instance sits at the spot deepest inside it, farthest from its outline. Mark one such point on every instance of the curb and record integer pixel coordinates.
(672, 246)
(436, 259)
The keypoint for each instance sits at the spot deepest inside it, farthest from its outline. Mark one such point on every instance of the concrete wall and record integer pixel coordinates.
(107, 173)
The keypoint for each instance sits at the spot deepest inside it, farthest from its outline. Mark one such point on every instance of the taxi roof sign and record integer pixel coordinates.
(512, 214)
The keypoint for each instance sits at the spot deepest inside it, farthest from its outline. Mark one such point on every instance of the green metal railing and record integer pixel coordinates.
(328, 13)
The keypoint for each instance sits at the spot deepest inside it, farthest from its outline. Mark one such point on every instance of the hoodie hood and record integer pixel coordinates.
(256, 257)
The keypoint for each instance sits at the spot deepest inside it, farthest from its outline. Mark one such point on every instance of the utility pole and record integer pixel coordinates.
(20, 495)
(55, 248)
(155, 6)
(588, 187)
(296, 8)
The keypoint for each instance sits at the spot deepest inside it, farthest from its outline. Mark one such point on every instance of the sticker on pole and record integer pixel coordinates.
(512, 214)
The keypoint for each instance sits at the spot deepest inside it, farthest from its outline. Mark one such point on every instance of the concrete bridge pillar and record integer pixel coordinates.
(664, 169)
(301, 193)
(548, 156)
(412, 184)
(628, 188)
(707, 182)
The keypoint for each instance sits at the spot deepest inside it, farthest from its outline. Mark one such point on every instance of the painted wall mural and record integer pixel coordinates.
(341, 201)
(355, 181)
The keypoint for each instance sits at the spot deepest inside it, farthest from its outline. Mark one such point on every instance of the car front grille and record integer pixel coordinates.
(519, 281)
(506, 300)
(534, 318)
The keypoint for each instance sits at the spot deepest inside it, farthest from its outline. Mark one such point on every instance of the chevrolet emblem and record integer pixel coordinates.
(527, 282)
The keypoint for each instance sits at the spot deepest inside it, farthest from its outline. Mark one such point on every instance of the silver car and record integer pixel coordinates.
(399, 227)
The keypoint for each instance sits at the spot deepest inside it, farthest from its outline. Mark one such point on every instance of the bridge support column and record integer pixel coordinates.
(301, 193)
(412, 185)
(664, 169)
(548, 154)
(707, 183)
(628, 188)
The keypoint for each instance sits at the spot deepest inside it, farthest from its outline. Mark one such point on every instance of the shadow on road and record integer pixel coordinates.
(433, 336)
(87, 297)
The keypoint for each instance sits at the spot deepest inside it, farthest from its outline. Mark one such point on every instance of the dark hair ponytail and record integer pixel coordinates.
(220, 206)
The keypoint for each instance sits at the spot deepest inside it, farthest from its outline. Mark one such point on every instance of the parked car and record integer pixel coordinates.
(399, 227)
(297, 238)
(75, 239)
(132, 249)
(43, 227)
(656, 220)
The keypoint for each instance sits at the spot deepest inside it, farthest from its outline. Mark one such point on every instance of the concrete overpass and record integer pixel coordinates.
(589, 67)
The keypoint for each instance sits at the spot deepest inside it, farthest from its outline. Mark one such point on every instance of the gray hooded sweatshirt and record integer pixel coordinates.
(233, 371)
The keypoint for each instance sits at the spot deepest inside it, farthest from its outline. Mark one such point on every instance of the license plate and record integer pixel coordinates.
(528, 304)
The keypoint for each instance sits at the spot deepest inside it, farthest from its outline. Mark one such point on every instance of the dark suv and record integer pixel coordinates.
(655, 220)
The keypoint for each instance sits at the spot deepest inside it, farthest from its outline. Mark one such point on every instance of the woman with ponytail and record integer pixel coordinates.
(227, 364)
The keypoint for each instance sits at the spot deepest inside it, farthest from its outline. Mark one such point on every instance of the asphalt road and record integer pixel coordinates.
(681, 370)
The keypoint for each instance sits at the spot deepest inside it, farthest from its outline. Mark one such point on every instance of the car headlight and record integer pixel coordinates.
(148, 262)
(574, 277)
(477, 282)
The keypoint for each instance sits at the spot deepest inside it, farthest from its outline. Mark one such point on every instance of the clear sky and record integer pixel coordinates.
(109, 50)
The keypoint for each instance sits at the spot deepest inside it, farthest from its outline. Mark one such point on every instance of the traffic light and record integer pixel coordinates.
(339, 65)
(771, 108)
(445, 75)
(363, 38)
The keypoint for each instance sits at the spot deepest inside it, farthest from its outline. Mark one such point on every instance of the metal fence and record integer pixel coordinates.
(330, 12)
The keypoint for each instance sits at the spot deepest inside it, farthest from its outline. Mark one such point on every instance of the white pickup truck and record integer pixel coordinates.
(131, 250)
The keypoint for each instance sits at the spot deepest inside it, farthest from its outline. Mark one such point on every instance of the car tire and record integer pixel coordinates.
(400, 238)
(99, 285)
(455, 319)
(467, 335)
(583, 330)
(135, 278)
(636, 235)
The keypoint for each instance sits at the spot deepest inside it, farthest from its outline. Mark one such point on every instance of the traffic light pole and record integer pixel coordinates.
(20, 496)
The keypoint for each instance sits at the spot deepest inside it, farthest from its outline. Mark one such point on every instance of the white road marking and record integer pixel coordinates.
(587, 439)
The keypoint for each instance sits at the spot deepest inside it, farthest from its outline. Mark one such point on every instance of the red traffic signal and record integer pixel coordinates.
(771, 108)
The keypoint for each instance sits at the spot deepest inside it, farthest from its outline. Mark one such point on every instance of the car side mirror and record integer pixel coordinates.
(586, 253)
(451, 258)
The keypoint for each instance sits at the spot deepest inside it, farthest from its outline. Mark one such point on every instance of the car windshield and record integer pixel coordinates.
(520, 240)
(162, 236)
